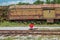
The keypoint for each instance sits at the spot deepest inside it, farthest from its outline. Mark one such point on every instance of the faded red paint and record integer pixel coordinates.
(31, 26)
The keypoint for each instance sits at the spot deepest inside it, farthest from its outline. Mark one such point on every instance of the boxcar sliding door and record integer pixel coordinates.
(49, 14)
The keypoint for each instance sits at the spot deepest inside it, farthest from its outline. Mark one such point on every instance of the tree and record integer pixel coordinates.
(48, 2)
(55, 2)
(58, 1)
(38, 2)
(20, 3)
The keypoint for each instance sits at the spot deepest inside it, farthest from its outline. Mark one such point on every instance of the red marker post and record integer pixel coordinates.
(31, 26)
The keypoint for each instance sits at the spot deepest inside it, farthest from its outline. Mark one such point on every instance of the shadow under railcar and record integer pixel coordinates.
(57, 21)
(27, 21)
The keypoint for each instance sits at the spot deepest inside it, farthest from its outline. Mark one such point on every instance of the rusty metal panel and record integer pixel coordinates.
(15, 12)
(23, 17)
(32, 12)
(49, 14)
(57, 15)
(19, 12)
(36, 6)
(39, 11)
(57, 10)
(50, 20)
(26, 12)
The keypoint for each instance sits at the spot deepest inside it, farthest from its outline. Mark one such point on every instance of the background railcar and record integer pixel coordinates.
(3, 12)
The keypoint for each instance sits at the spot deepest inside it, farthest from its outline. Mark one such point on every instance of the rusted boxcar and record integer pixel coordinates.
(3, 12)
(48, 12)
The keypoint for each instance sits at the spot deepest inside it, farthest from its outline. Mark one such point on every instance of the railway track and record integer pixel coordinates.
(29, 32)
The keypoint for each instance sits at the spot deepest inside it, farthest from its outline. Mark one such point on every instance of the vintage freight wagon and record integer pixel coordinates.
(42, 12)
(3, 12)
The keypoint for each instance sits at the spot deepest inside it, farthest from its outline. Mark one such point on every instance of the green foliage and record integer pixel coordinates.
(7, 23)
(53, 2)
(20, 3)
(38, 2)
(9, 38)
(57, 1)
(16, 24)
(48, 2)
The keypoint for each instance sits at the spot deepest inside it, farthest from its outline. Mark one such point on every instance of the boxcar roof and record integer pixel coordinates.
(35, 6)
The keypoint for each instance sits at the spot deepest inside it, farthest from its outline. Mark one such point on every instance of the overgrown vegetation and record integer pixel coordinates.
(25, 24)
